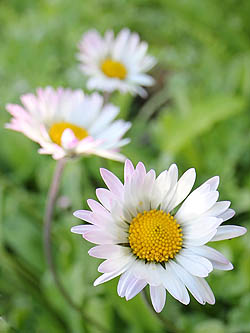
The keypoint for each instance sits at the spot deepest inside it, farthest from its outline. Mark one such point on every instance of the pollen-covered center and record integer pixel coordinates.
(155, 236)
(114, 69)
(57, 129)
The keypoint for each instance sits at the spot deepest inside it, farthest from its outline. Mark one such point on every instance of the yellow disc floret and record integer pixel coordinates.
(155, 236)
(114, 69)
(57, 129)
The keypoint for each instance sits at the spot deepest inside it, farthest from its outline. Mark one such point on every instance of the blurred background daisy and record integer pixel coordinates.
(196, 115)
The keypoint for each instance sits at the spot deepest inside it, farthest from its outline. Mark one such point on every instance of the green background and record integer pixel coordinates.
(198, 114)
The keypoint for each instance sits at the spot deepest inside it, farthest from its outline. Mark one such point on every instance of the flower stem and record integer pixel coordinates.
(106, 97)
(167, 324)
(51, 200)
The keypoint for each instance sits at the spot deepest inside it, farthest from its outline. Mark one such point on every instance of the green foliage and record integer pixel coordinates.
(197, 115)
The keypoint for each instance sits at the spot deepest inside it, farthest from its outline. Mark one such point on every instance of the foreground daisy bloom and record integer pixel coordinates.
(145, 240)
(117, 63)
(69, 123)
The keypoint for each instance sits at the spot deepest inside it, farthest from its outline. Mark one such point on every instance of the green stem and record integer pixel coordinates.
(51, 201)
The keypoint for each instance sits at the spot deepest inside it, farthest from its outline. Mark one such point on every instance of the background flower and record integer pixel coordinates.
(117, 63)
(146, 242)
(69, 123)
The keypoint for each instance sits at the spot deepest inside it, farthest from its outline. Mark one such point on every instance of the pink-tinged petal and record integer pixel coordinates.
(128, 171)
(112, 182)
(109, 276)
(100, 237)
(158, 297)
(105, 197)
(81, 229)
(108, 251)
(228, 232)
(115, 264)
(84, 215)
(134, 289)
(68, 139)
(96, 207)
(140, 168)
(101, 215)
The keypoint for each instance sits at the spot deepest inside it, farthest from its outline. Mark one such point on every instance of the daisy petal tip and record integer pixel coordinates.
(77, 214)
(96, 283)
(91, 252)
(76, 229)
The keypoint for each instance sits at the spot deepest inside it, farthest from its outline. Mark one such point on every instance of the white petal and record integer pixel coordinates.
(228, 232)
(184, 186)
(149, 272)
(68, 139)
(105, 197)
(113, 183)
(218, 208)
(206, 291)
(222, 267)
(114, 264)
(195, 205)
(228, 214)
(201, 240)
(109, 276)
(101, 237)
(158, 297)
(125, 280)
(189, 281)
(107, 251)
(134, 288)
(174, 286)
(213, 182)
(128, 170)
(81, 229)
(101, 216)
(84, 215)
(195, 265)
(209, 253)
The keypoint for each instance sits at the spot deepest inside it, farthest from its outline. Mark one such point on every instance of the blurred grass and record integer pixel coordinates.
(197, 115)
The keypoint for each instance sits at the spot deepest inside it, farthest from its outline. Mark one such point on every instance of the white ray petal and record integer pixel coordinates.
(158, 297)
(228, 232)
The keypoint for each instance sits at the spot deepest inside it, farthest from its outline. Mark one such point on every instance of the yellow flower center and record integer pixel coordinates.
(57, 129)
(155, 236)
(113, 68)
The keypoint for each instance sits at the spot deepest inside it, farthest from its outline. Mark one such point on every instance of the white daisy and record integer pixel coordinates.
(69, 123)
(117, 63)
(145, 242)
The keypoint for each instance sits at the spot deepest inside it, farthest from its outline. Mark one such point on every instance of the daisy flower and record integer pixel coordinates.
(146, 240)
(117, 63)
(67, 123)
